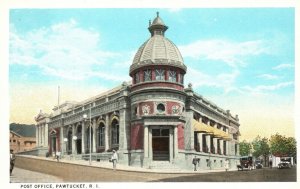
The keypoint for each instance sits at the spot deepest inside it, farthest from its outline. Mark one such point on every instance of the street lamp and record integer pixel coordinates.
(90, 135)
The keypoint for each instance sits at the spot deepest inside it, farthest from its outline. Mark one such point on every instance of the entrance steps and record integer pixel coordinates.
(163, 165)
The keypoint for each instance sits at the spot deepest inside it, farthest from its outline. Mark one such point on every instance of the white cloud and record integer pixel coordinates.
(283, 66)
(230, 52)
(268, 76)
(224, 81)
(261, 89)
(63, 50)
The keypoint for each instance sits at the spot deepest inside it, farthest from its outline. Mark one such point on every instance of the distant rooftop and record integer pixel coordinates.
(23, 129)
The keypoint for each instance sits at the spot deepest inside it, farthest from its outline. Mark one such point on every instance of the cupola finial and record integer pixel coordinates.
(157, 13)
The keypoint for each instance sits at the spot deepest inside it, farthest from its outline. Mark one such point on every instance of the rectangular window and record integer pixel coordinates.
(147, 75)
(172, 76)
(160, 75)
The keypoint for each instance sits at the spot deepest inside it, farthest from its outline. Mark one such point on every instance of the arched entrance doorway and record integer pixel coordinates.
(78, 141)
(160, 144)
(101, 137)
(53, 138)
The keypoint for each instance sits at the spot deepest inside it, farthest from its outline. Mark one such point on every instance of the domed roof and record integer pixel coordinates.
(158, 49)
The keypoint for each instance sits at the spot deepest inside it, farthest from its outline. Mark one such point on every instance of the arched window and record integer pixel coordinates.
(101, 135)
(160, 74)
(172, 76)
(147, 75)
(115, 132)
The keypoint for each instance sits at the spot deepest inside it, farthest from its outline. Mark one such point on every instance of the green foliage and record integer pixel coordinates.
(260, 147)
(282, 146)
(245, 148)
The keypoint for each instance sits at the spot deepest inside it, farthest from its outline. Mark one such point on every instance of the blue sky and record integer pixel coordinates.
(242, 59)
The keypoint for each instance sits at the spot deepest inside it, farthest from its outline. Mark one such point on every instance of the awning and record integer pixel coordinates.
(201, 127)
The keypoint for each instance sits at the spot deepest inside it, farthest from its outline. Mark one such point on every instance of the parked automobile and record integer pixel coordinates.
(258, 164)
(246, 163)
(284, 164)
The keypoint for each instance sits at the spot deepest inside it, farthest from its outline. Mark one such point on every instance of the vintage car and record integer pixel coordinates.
(283, 165)
(258, 164)
(246, 163)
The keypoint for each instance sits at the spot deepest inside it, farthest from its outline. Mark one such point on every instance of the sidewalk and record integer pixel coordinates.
(108, 165)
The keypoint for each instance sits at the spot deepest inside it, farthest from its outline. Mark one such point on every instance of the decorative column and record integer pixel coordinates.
(175, 142)
(221, 146)
(200, 136)
(46, 135)
(171, 155)
(189, 131)
(207, 138)
(124, 129)
(37, 135)
(146, 141)
(74, 151)
(83, 138)
(94, 136)
(62, 149)
(227, 147)
(150, 144)
(107, 132)
(215, 143)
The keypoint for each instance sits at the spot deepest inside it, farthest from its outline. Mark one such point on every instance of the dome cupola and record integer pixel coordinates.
(159, 56)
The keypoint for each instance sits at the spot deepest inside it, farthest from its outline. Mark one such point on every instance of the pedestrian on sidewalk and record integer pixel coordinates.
(226, 164)
(57, 156)
(12, 161)
(195, 162)
(114, 159)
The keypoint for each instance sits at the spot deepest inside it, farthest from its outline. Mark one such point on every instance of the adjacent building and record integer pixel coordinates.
(153, 121)
(21, 137)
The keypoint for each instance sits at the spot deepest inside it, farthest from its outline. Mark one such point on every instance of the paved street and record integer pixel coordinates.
(26, 176)
(260, 175)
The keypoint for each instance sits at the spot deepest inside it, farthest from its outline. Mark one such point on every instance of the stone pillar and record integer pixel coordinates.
(37, 135)
(150, 144)
(215, 144)
(46, 135)
(238, 149)
(175, 142)
(146, 144)
(207, 138)
(83, 138)
(171, 144)
(62, 147)
(124, 128)
(200, 136)
(221, 146)
(189, 131)
(94, 136)
(74, 150)
(227, 148)
(107, 132)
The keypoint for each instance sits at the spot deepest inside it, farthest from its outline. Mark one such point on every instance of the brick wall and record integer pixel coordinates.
(137, 136)
(180, 133)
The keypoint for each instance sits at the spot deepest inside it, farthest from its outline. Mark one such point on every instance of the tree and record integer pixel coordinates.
(245, 148)
(261, 148)
(282, 146)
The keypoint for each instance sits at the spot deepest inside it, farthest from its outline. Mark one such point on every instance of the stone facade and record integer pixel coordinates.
(152, 119)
